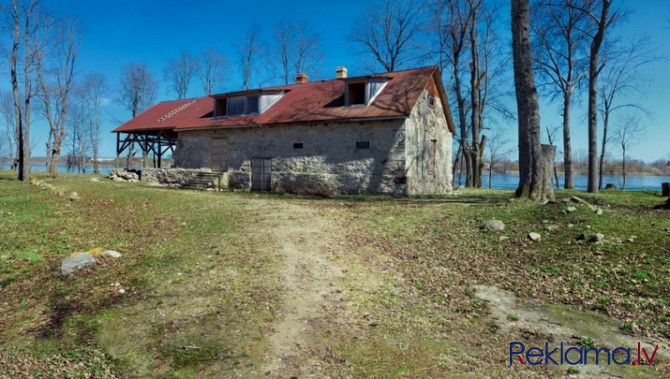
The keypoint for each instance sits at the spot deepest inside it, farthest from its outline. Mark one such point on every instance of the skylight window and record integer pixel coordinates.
(245, 105)
(363, 93)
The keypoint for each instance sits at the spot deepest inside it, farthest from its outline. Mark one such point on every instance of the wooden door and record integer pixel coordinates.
(260, 174)
(219, 160)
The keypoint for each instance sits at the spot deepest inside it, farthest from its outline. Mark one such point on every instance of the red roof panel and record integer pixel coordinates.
(309, 102)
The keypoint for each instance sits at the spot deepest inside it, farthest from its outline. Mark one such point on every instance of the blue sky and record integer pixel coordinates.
(122, 31)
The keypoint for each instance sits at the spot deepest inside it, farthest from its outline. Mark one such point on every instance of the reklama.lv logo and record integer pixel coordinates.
(578, 355)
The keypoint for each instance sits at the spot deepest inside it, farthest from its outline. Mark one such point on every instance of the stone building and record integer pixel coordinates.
(387, 133)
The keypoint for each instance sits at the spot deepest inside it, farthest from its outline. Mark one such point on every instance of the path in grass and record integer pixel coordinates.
(303, 238)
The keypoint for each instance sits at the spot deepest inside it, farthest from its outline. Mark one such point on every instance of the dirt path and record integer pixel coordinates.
(309, 279)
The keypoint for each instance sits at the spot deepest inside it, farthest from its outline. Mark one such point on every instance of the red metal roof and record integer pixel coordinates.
(309, 102)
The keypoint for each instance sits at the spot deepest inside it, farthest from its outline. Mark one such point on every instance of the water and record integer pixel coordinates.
(633, 182)
(498, 181)
(62, 168)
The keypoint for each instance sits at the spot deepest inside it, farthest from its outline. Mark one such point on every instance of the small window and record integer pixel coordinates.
(363, 145)
(297, 145)
(356, 93)
(431, 101)
(252, 105)
(221, 105)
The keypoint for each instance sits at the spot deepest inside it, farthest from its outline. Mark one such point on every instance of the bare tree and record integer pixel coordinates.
(22, 26)
(56, 79)
(600, 19)
(527, 103)
(622, 78)
(7, 109)
(179, 73)
(251, 50)
(497, 148)
(90, 95)
(466, 30)
(78, 133)
(451, 23)
(561, 41)
(296, 50)
(212, 70)
(629, 132)
(137, 90)
(389, 32)
(137, 87)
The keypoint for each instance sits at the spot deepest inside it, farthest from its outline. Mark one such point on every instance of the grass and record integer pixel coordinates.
(202, 280)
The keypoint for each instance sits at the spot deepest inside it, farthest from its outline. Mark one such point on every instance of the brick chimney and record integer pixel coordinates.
(300, 79)
(341, 72)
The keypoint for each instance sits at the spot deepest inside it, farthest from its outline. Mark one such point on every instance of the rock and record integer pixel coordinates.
(75, 262)
(566, 200)
(495, 225)
(117, 179)
(534, 236)
(551, 227)
(111, 254)
(599, 212)
(598, 237)
(570, 209)
(610, 186)
(667, 230)
(74, 196)
(503, 238)
(577, 199)
(122, 291)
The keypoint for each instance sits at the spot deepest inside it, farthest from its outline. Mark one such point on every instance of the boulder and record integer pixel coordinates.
(495, 225)
(610, 186)
(75, 262)
(535, 237)
(570, 209)
(111, 254)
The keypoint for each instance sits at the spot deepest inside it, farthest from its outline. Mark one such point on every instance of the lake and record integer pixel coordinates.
(498, 181)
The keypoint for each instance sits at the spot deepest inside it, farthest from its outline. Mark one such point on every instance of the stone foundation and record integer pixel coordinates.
(173, 177)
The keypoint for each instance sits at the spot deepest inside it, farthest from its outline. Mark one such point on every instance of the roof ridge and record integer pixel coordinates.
(175, 111)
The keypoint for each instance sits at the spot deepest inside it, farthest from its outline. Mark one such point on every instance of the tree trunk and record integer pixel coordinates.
(665, 189)
(528, 107)
(623, 167)
(594, 70)
(569, 182)
(602, 151)
(547, 170)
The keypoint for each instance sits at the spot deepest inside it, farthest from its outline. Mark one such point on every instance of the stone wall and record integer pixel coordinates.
(172, 177)
(405, 156)
(328, 162)
(429, 164)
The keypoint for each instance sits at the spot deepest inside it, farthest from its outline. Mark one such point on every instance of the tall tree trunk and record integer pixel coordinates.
(594, 70)
(527, 103)
(602, 151)
(623, 166)
(547, 168)
(475, 105)
(569, 182)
